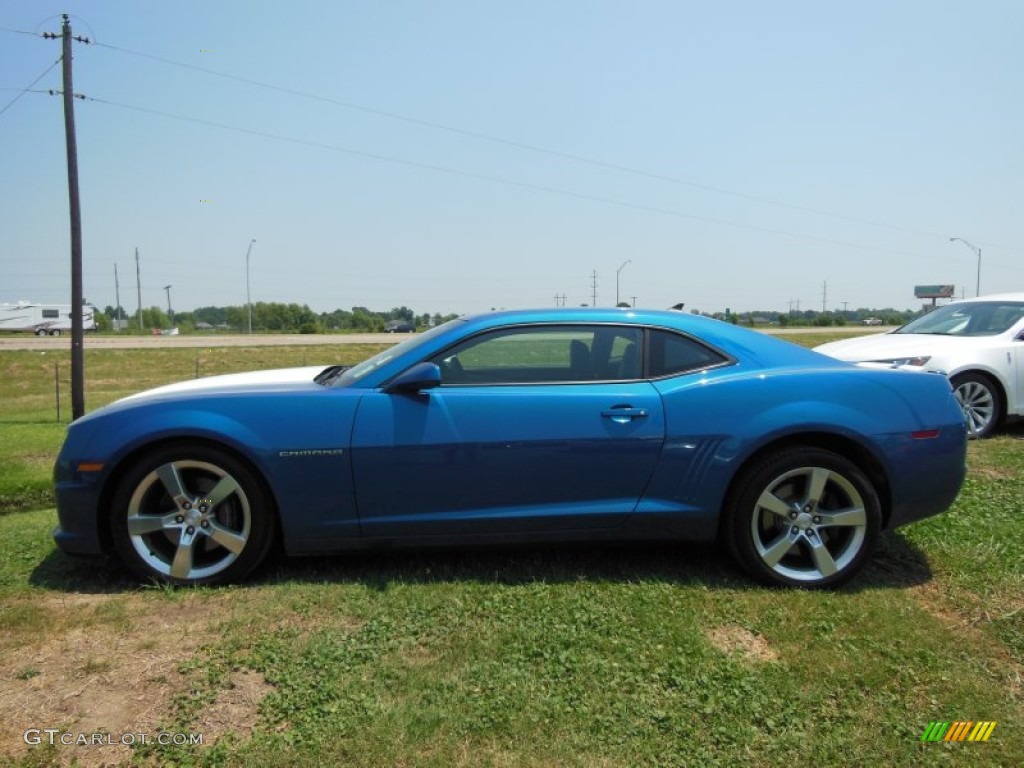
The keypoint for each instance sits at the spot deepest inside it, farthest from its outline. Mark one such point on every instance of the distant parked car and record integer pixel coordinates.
(978, 343)
(548, 425)
(399, 326)
(871, 321)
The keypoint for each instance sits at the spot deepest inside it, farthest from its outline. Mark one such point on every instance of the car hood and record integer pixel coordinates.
(889, 346)
(233, 383)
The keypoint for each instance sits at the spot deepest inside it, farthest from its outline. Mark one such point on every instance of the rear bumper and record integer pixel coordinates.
(928, 476)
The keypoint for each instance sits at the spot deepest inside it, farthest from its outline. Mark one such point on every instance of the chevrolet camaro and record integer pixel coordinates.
(525, 426)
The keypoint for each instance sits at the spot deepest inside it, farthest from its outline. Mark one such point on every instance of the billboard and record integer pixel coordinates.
(933, 291)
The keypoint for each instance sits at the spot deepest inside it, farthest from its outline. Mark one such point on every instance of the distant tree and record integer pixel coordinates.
(402, 313)
(235, 317)
(154, 317)
(365, 320)
(212, 315)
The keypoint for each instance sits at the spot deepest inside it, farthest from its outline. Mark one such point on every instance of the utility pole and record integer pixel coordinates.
(617, 272)
(117, 296)
(248, 293)
(138, 286)
(824, 295)
(593, 288)
(170, 312)
(77, 328)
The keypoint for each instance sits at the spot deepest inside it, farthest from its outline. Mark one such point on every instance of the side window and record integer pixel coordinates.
(674, 353)
(532, 355)
(51, 314)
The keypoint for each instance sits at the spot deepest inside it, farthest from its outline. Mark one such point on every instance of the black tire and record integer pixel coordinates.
(819, 502)
(981, 401)
(55, 332)
(191, 514)
(40, 331)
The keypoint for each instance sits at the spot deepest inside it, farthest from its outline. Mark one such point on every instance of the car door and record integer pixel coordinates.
(536, 428)
(1017, 397)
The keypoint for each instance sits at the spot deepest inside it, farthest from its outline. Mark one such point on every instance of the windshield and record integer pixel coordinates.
(982, 318)
(357, 372)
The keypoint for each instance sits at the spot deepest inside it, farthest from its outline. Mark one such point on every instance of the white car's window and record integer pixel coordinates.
(983, 318)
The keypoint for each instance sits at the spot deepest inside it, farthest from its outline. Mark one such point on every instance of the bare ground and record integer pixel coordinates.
(118, 675)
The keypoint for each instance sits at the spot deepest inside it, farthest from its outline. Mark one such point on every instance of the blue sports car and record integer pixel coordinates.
(548, 425)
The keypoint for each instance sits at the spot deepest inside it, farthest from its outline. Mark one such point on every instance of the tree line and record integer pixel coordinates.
(268, 317)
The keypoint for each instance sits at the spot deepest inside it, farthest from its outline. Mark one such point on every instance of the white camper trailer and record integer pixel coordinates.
(43, 319)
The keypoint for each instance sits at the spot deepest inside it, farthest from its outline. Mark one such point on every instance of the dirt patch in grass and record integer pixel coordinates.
(964, 622)
(989, 472)
(112, 667)
(737, 641)
(236, 709)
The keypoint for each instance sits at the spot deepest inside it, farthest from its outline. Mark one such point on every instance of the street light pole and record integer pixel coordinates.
(977, 250)
(170, 312)
(248, 294)
(627, 261)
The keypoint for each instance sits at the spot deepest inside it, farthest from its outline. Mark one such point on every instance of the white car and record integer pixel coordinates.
(978, 343)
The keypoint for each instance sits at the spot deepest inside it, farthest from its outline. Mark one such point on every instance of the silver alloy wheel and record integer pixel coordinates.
(978, 404)
(189, 520)
(809, 524)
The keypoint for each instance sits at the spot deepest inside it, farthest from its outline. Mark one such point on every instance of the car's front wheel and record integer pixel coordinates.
(805, 517)
(191, 514)
(981, 402)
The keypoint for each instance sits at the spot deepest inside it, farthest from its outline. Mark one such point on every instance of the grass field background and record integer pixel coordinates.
(584, 656)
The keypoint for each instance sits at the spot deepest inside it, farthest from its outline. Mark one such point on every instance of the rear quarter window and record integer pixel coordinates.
(672, 353)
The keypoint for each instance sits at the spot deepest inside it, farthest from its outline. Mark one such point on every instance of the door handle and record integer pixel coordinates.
(623, 414)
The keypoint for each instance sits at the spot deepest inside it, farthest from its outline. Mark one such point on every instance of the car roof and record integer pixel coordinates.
(993, 297)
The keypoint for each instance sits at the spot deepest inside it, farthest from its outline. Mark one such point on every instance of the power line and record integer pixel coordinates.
(504, 181)
(29, 86)
(523, 145)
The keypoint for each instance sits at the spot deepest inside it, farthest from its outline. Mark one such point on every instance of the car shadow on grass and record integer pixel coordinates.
(895, 564)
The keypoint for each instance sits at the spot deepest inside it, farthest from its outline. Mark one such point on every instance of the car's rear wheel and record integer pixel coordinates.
(191, 514)
(981, 402)
(806, 517)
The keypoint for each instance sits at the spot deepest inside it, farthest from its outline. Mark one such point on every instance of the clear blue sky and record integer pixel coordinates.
(740, 154)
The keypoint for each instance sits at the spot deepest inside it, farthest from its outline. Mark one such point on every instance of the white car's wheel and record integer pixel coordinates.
(805, 517)
(981, 402)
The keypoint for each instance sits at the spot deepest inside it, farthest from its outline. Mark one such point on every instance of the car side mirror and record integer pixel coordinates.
(416, 379)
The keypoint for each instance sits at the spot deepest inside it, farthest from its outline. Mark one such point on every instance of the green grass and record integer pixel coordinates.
(590, 656)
